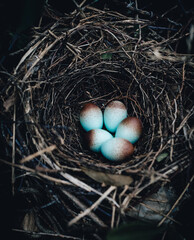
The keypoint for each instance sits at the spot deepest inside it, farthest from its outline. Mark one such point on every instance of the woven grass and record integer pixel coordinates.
(98, 56)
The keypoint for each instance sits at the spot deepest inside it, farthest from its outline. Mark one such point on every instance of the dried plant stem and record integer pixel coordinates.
(13, 147)
(39, 57)
(113, 209)
(177, 201)
(160, 213)
(138, 190)
(39, 153)
(32, 49)
(173, 130)
(54, 235)
(36, 172)
(84, 207)
(88, 210)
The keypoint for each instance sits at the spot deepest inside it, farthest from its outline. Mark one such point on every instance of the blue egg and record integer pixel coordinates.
(114, 113)
(130, 129)
(96, 137)
(91, 117)
(117, 149)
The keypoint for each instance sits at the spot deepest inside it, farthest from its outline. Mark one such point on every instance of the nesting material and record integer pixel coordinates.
(95, 56)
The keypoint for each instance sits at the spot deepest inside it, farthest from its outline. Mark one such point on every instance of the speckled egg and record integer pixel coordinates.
(96, 137)
(117, 149)
(130, 129)
(91, 117)
(114, 113)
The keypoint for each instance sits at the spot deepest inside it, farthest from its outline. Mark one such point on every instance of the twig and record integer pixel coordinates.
(13, 147)
(159, 213)
(177, 201)
(139, 189)
(183, 81)
(113, 209)
(93, 216)
(27, 169)
(152, 15)
(58, 235)
(173, 130)
(40, 56)
(185, 120)
(32, 49)
(79, 7)
(88, 210)
(40, 152)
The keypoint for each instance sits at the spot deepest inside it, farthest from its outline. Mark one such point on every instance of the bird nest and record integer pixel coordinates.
(95, 56)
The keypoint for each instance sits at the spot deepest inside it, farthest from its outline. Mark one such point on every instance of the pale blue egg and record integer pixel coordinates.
(96, 137)
(114, 113)
(117, 149)
(91, 117)
(130, 129)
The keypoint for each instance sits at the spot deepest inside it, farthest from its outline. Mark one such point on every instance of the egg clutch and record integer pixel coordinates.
(116, 142)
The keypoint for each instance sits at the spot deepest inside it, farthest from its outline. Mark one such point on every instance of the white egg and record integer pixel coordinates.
(96, 137)
(130, 129)
(114, 113)
(91, 117)
(117, 149)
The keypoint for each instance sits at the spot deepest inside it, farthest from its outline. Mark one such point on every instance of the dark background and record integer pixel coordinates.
(16, 19)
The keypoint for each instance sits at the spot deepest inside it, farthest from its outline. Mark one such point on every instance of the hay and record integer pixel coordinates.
(98, 56)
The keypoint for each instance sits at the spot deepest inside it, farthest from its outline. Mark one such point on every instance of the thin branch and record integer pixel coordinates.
(39, 153)
(88, 210)
(177, 201)
(93, 216)
(13, 146)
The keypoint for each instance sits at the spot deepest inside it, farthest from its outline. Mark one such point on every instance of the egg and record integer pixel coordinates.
(130, 129)
(114, 113)
(117, 149)
(91, 117)
(96, 137)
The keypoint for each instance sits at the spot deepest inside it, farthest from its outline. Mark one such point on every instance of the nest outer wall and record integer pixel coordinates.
(98, 56)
